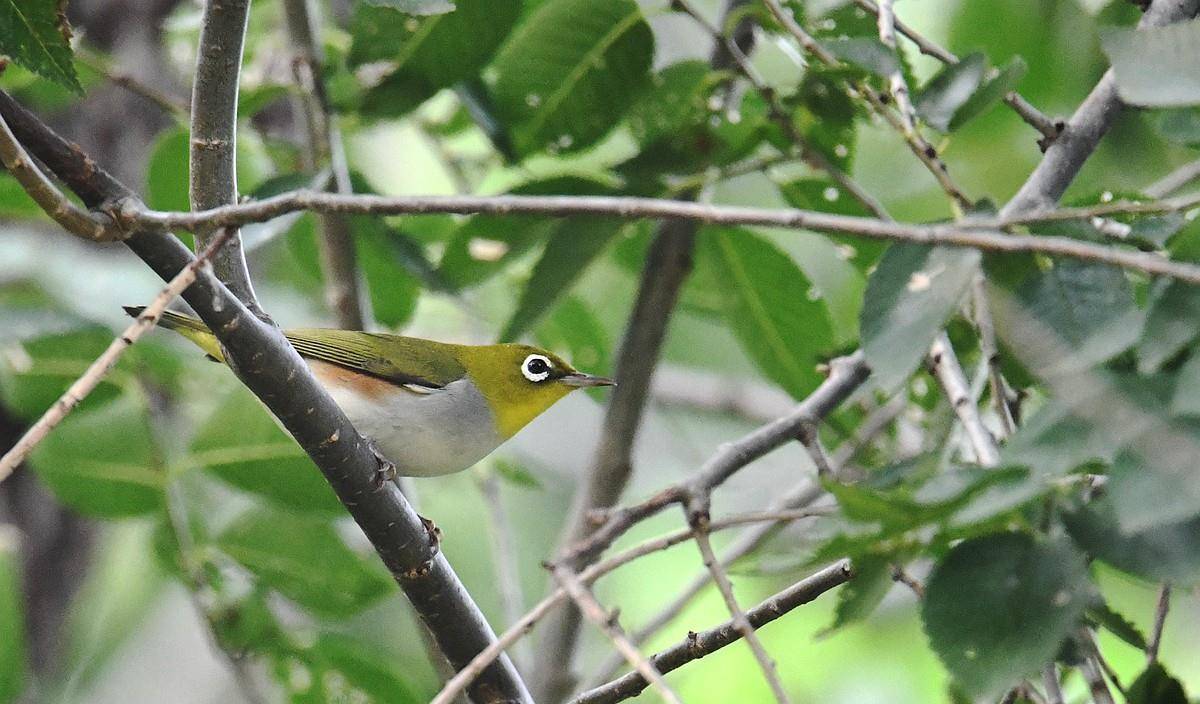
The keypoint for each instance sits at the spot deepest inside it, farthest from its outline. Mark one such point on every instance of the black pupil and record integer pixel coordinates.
(538, 366)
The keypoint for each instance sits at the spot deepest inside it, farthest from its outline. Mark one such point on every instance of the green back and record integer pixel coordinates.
(402, 360)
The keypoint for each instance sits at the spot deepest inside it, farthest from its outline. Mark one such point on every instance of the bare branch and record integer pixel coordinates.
(1086, 127)
(339, 261)
(504, 555)
(1174, 181)
(896, 83)
(1050, 681)
(952, 235)
(264, 361)
(738, 617)
(594, 612)
(1030, 114)
(212, 172)
(100, 368)
(991, 353)
(954, 382)
(1160, 619)
(1090, 212)
(697, 645)
(172, 105)
(43, 192)
(1090, 669)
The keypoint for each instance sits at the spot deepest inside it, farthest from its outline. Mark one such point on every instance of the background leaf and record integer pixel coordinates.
(35, 35)
(13, 668)
(1156, 66)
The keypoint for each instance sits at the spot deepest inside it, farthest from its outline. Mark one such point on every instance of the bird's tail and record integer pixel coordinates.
(191, 328)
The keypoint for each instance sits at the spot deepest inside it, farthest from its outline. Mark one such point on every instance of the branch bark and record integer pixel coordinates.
(212, 171)
(271, 369)
(697, 645)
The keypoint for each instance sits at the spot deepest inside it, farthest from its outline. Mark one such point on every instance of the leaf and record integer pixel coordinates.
(990, 93)
(1117, 624)
(104, 462)
(36, 35)
(949, 90)
(1155, 66)
(416, 7)
(572, 247)
(344, 669)
(1186, 400)
(998, 607)
(304, 559)
(910, 296)
(392, 290)
(1179, 125)
(13, 667)
(34, 373)
(1168, 552)
(1156, 686)
(428, 54)
(242, 444)
(1171, 324)
(677, 99)
(767, 305)
(860, 596)
(516, 475)
(573, 326)
(866, 53)
(570, 71)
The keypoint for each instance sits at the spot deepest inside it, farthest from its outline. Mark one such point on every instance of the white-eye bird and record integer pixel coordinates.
(430, 407)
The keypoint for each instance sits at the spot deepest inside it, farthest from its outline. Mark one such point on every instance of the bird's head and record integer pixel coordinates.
(521, 381)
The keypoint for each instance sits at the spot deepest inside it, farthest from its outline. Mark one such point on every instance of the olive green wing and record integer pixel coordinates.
(400, 360)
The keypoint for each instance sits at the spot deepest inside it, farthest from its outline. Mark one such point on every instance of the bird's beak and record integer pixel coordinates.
(580, 380)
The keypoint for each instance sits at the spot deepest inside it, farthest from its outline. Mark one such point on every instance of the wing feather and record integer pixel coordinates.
(419, 364)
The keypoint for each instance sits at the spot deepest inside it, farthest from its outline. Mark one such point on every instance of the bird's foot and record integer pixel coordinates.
(435, 535)
(386, 471)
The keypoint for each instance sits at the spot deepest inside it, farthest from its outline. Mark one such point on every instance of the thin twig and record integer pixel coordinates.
(339, 260)
(1089, 212)
(954, 383)
(1160, 620)
(738, 616)
(965, 234)
(1092, 668)
(698, 645)
(1174, 181)
(896, 83)
(594, 612)
(1027, 112)
(991, 354)
(42, 190)
(170, 104)
(1050, 681)
(98, 369)
(504, 556)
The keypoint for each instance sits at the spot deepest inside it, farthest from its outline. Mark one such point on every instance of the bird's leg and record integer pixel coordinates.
(386, 471)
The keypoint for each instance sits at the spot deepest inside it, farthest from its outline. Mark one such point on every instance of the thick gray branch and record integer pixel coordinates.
(212, 173)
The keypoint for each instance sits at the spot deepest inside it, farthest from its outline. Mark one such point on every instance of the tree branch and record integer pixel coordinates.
(697, 645)
(212, 172)
(1086, 127)
(965, 234)
(339, 261)
(1160, 619)
(262, 358)
(950, 375)
(100, 368)
(1174, 181)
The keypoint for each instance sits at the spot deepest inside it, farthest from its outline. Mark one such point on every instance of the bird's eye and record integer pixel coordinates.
(536, 368)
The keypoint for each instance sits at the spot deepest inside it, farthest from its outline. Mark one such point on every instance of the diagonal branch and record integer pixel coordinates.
(949, 373)
(264, 361)
(100, 368)
(697, 645)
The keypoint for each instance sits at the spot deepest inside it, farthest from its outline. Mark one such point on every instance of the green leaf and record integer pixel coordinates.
(572, 326)
(1171, 324)
(516, 475)
(1156, 686)
(13, 667)
(242, 444)
(1179, 125)
(304, 559)
(949, 90)
(677, 99)
(429, 53)
(866, 53)
(992, 91)
(344, 669)
(35, 373)
(1186, 400)
(910, 296)
(860, 597)
(1168, 552)
(393, 291)
(104, 462)
(570, 71)
(1117, 624)
(768, 306)
(574, 245)
(1155, 66)
(36, 35)
(415, 7)
(998, 607)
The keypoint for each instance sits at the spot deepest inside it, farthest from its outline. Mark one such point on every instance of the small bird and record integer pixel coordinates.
(432, 408)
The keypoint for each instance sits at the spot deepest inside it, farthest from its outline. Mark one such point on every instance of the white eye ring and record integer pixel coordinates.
(536, 368)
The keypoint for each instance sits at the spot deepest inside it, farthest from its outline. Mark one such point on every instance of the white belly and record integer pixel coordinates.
(426, 435)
